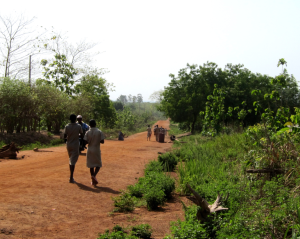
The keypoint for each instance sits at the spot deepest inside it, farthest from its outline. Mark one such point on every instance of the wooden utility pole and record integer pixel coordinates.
(30, 70)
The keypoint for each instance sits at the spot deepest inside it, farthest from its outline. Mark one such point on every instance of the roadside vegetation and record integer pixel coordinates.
(247, 154)
(256, 166)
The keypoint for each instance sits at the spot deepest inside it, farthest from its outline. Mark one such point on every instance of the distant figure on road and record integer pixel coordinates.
(94, 137)
(121, 136)
(157, 133)
(149, 132)
(71, 135)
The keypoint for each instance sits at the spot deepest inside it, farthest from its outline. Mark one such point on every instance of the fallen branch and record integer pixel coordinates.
(38, 150)
(9, 151)
(207, 209)
(266, 170)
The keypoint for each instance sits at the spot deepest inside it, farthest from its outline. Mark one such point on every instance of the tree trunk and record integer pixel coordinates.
(57, 127)
(193, 124)
(205, 208)
(49, 125)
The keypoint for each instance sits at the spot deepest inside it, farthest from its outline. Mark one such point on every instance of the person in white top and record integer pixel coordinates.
(94, 137)
(71, 135)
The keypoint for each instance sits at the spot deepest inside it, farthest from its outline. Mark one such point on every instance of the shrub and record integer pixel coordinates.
(116, 235)
(190, 228)
(56, 141)
(136, 190)
(161, 182)
(153, 166)
(118, 228)
(142, 231)
(154, 198)
(124, 202)
(168, 161)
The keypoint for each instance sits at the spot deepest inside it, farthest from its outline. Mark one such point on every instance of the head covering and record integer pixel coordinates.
(79, 117)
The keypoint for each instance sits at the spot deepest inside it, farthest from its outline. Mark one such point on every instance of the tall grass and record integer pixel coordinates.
(258, 207)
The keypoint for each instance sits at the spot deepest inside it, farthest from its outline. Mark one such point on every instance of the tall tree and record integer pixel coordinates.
(18, 40)
(94, 88)
(129, 98)
(186, 95)
(60, 73)
(123, 99)
(139, 100)
(156, 96)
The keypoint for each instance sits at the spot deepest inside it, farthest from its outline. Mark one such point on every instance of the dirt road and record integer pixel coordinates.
(37, 201)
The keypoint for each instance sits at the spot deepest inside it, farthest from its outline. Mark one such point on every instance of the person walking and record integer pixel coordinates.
(71, 135)
(94, 137)
(85, 128)
(157, 133)
(149, 132)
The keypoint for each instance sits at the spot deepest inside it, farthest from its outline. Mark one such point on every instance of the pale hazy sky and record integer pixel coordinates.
(142, 42)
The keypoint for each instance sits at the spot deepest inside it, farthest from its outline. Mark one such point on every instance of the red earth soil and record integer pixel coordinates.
(37, 200)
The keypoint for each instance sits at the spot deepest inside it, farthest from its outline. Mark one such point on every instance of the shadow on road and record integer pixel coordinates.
(97, 189)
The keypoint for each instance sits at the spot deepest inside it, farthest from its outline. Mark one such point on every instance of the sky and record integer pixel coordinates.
(142, 42)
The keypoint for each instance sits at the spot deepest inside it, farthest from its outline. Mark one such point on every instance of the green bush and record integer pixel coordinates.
(168, 161)
(116, 235)
(136, 190)
(56, 141)
(188, 229)
(118, 228)
(124, 203)
(154, 198)
(142, 231)
(153, 166)
(160, 181)
(139, 231)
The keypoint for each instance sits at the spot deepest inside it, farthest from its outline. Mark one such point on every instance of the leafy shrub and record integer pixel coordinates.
(168, 161)
(138, 231)
(136, 190)
(116, 235)
(153, 166)
(188, 229)
(154, 198)
(124, 202)
(142, 231)
(160, 181)
(118, 228)
(56, 141)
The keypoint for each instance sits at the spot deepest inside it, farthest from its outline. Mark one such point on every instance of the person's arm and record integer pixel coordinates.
(81, 132)
(85, 138)
(102, 138)
(65, 135)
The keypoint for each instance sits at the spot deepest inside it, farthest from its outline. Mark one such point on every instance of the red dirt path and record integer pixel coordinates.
(37, 201)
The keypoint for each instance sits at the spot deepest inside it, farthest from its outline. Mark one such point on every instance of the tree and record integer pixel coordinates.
(118, 105)
(139, 100)
(17, 105)
(53, 105)
(61, 73)
(129, 98)
(79, 55)
(122, 99)
(156, 96)
(134, 99)
(94, 88)
(186, 95)
(18, 43)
